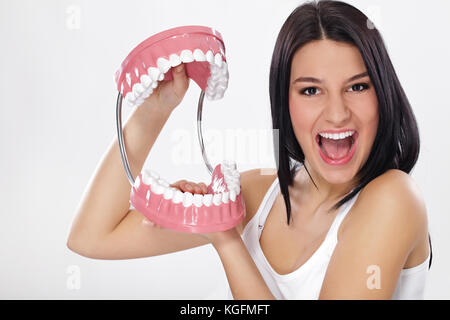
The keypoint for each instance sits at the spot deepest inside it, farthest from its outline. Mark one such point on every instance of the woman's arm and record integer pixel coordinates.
(244, 278)
(106, 199)
(388, 223)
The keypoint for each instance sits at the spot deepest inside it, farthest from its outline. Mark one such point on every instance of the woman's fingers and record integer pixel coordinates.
(188, 186)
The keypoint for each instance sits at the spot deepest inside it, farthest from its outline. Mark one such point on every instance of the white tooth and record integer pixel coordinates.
(147, 92)
(186, 56)
(232, 195)
(146, 81)
(217, 199)
(137, 182)
(157, 188)
(130, 98)
(225, 197)
(138, 89)
(161, 77)
(174, 60)
(154, 85)
(207, 199)
(163, 65)
(139, 101)
(237, 189)
(154, 174)
(178, 196)
(154, 73)
(341, 135)
(224, 69)
(199, 55)
(168, 194)
(147, 178)
(218, 60)
(187, 199)
(210, 56)
(164, 183)
(198, 200)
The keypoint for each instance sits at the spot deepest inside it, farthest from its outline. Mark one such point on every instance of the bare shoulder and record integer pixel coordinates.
(254, 185)
(392, 199)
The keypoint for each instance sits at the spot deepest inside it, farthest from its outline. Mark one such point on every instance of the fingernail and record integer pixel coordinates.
(179, 68)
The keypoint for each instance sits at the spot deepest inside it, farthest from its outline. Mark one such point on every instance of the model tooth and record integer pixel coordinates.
(210, 56)
(161, 77)
(207, 199)
(163, 65)
(138, 89)
(168, 194)
(137, 182)
(217, 199)
(218, 60)
(155, 84)
(186, 56)
(232, 195)
(157, 188)
(188, 198)
(154, 73)
(147, 92)
(139, 101)
(225, 197)
(199, 55)
(178, 196)
(174, 60)
(152, 173)
(224, 68)
(130, 98)
(198, 200)
(163, 182)
(146, 81)
(147, 178)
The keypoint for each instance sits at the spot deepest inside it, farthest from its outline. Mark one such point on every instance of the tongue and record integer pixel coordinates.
(336, 149)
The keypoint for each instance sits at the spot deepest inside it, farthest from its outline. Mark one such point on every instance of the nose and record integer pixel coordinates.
(336, 111)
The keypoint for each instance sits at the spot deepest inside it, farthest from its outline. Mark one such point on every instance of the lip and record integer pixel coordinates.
(344, 160)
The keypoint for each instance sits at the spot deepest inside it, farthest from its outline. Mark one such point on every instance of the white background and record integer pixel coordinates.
(57, 62)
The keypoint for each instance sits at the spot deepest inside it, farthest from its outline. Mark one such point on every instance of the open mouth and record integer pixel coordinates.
(337, 149)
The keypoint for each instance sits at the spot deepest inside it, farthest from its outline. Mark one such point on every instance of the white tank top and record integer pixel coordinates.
(306, 281)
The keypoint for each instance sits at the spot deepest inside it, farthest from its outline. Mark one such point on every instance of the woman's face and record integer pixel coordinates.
(329, 102)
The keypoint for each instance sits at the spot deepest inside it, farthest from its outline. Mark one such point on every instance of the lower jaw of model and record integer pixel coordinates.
(220, 209)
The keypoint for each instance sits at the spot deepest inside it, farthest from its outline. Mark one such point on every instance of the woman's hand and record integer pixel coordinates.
(169, 93)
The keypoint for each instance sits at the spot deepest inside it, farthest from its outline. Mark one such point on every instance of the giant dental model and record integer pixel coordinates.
(203, 52)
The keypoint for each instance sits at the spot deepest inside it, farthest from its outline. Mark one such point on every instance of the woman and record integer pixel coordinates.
(340, 219)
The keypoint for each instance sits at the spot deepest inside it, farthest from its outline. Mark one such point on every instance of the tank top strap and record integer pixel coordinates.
(266, 205)
(345, 208)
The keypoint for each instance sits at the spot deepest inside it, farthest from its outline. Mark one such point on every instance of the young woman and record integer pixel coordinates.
(340, 219)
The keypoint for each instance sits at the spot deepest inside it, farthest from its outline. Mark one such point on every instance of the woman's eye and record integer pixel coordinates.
(359, 87)
(309, 91)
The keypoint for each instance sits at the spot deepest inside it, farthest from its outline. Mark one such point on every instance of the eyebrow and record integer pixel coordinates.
(315, 80)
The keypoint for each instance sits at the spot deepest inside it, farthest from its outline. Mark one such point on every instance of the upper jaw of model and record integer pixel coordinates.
(224, 187)
(217, 82)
